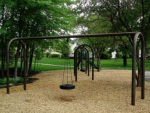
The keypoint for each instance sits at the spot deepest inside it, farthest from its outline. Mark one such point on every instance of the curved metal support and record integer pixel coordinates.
(134, 54)
(87, 61)
(8, 51)
(75, 59)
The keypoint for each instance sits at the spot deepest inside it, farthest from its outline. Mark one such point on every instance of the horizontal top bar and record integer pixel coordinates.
(80, 36)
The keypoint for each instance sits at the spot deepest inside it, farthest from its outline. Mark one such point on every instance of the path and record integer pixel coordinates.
(54, 65)
(147, 76)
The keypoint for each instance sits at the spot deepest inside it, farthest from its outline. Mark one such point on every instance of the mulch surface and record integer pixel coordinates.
(110, 92)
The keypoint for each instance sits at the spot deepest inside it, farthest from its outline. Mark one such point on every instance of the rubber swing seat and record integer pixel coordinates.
(67, 86)
(83, 69)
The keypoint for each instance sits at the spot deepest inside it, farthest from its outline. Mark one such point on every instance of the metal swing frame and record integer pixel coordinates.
(83, 47)
(133, 35)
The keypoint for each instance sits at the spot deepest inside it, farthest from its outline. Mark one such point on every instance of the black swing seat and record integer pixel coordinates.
(83, 70)
(67, 86)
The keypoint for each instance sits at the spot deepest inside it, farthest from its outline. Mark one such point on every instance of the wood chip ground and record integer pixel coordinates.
(110, 92)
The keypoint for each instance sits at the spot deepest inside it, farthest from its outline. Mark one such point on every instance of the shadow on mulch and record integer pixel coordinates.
(29, 81)
(65, 98)
(11, 71)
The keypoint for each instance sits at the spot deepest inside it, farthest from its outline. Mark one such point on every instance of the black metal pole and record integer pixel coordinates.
(81, 59)
(143, 67)
(92, 65)
(75, 64)
(88, 64)
(133, 69)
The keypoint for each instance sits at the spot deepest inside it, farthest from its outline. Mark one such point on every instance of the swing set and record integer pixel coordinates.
(136, 37)
(82, 54)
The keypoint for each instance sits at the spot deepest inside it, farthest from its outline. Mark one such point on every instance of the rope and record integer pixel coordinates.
(64, 71)
(67, 68)
(68, 64)
(70, 72)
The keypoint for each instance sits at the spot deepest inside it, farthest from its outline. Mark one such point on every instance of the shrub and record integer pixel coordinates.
(106, 56)
(47, 55)
(3, 81)
(12, 80)
(119, 55)
(55, 56)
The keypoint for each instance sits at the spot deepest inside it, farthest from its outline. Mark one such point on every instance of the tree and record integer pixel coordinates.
(94, 24)
(125, 16)
(35, 18)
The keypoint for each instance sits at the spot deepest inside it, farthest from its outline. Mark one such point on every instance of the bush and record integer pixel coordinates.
(47, 55)
(106, 56)
(38, 54)
(55, 56)
(12, 80)
(3, 81)
(119, 55)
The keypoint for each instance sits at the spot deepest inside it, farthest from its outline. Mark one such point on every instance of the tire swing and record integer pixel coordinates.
(68, 84)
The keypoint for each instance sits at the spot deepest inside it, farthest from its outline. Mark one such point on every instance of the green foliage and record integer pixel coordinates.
(122, 16)
(55, 56)
(28, 18)
(95, 24)
(119, 55)
(63, 47)
(105, 56)
(12, 80)
(39, 54)
(3, 81)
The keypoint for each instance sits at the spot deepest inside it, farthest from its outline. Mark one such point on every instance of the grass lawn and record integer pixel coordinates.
(105, 63)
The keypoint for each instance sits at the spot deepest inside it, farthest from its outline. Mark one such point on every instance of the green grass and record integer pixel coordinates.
(105, 63)
(55, 61)
(40, 68)
(109, 63)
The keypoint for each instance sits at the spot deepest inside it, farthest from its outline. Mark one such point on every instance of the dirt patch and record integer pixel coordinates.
(66, 98)
(28, 100)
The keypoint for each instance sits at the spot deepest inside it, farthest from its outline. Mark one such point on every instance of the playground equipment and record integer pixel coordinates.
(82, 54)
(134, 36)
(82, 60)
(67, 72)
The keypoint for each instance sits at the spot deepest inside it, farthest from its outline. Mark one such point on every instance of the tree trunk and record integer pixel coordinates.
(98, 63)
(16, 62)
(31, 59)
(124, 60)
(2, 56)
(2, 43)
(27, 63)
(21, 65)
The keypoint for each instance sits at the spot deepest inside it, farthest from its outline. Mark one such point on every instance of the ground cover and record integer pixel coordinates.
(109, 92)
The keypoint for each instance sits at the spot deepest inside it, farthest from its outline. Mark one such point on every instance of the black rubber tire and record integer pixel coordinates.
(67, 86)
(83, 70)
